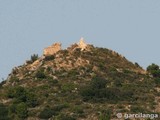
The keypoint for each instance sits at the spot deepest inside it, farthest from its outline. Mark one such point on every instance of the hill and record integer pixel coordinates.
(81, 82)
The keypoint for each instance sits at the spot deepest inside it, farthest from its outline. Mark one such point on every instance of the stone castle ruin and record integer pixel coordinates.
(51, 50)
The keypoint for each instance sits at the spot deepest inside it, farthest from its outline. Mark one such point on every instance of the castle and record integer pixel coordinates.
(51, 50)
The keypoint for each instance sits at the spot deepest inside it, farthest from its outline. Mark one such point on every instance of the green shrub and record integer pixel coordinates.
(46, 113)
(137, 109)
(21, 110)
(53, 81)
(14, 79)
(12, 110)
(78, 110)
(102, 65)
(98, 83)
(73, 72)
(152, 67)
(65, 117)
(17, 92)
(105, 115)
(95, 89)
(50, 57)
(126, 95)
(68, 87)
(98, 92)
(34, 57)
(156, 73)
(2, 83)
(154, 70)
(31, 99)
(137, 65)
(118, 83)
(111, 94)
(49, 112)
(3, 112)
(157, 81)
(20, 94)
(40, 74)
(87, 93)
(59, 107)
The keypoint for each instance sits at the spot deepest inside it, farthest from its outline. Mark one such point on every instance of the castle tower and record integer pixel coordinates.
(51, 50)
(82, 44)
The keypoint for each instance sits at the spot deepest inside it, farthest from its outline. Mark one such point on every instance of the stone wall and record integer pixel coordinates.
(82, 44)
(51, 50)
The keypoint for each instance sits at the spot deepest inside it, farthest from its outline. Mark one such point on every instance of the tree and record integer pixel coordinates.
(154, 70)
(152, 67)
(34, 57)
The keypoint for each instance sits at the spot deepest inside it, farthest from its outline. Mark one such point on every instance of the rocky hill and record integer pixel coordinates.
(81, 82)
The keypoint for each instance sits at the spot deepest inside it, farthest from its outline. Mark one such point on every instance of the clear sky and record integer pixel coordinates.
(130, 27)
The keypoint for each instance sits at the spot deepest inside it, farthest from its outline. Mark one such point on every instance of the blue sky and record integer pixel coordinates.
(130, 27)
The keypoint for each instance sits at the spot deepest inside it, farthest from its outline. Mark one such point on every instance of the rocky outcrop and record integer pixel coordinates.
(51, 50)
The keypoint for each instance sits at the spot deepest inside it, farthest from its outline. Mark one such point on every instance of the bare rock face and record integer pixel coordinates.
(82, 44)
(51, 50)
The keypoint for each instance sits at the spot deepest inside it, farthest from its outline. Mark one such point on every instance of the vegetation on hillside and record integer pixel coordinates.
(93, 84)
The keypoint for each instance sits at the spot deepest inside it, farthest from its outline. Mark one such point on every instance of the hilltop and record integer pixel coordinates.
(81, 82)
